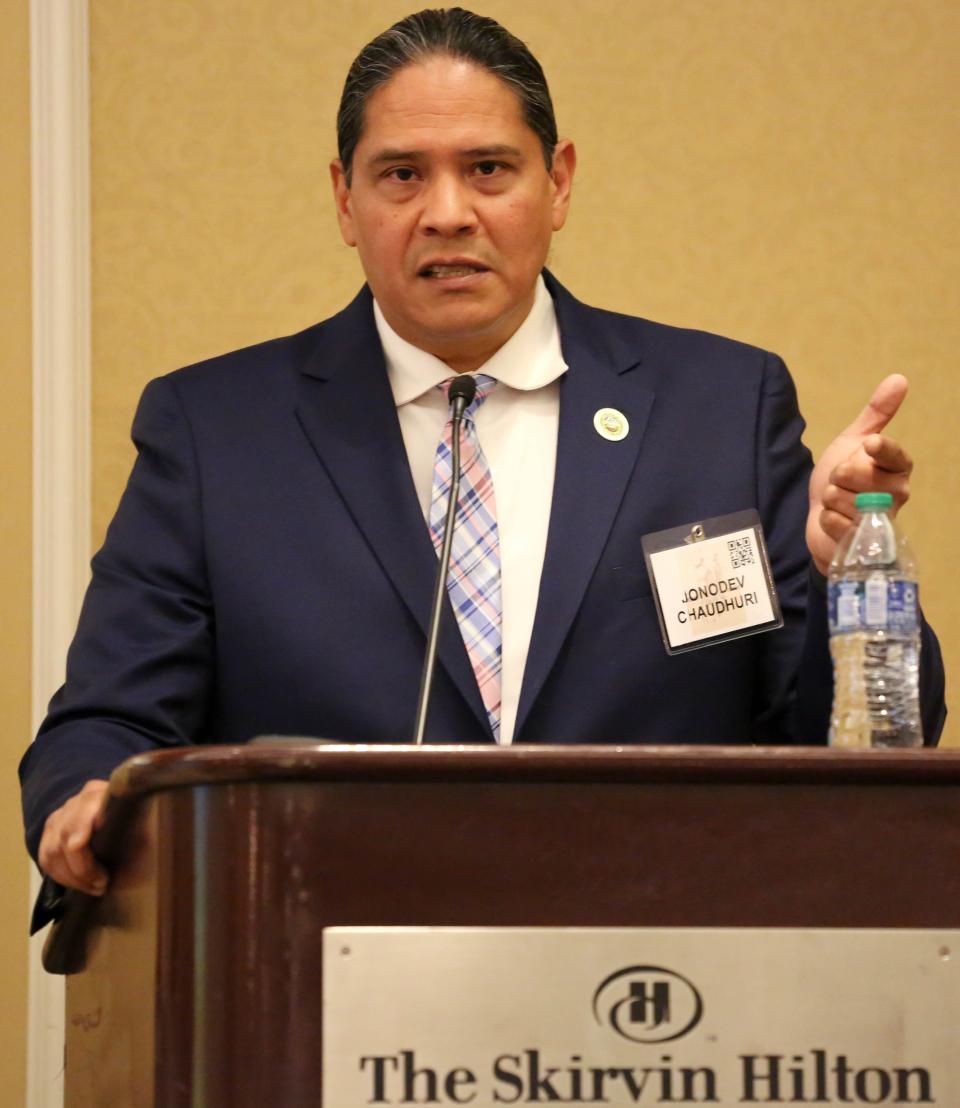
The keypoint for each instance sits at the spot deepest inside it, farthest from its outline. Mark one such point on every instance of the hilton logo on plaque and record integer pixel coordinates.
(648, 1004)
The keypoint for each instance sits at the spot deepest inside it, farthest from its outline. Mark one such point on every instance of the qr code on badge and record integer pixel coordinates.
(741, 552)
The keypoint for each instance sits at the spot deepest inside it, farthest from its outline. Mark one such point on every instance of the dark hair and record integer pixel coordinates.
(458, 34)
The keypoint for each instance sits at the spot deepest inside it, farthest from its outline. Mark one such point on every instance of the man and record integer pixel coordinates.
(270, 565)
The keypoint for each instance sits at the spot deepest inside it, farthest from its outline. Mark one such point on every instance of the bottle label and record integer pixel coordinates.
(903, 606)
(879, 603)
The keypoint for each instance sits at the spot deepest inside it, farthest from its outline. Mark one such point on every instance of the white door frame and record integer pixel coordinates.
(60, 122)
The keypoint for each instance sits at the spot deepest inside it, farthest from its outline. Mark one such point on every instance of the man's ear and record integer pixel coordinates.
(343, 201)
(561, 173)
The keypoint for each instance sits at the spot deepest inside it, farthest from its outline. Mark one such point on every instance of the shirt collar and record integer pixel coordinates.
(529, 359)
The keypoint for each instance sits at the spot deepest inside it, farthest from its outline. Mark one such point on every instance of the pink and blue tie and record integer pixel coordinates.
(473, 583)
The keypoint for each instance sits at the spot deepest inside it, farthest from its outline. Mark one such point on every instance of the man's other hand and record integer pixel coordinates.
(859, 459)
(65, 853)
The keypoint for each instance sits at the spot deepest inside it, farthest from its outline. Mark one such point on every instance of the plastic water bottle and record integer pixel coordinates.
(874, 632)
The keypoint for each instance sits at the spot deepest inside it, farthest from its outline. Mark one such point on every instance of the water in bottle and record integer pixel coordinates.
(874, 632)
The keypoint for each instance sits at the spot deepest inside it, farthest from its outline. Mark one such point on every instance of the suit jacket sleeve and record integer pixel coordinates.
(139, 671)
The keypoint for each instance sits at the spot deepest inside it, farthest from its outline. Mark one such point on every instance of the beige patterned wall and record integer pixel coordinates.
(785, 172)
(15, 533)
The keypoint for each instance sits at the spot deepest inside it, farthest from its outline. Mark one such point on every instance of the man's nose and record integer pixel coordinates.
(448, 207)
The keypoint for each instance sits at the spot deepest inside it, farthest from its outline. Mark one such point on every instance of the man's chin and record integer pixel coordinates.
(460, 335)
(467, 324)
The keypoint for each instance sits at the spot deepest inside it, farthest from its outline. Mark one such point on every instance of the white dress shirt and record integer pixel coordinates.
(517, 427)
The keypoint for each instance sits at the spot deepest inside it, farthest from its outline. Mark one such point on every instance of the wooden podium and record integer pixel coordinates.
(197, 978)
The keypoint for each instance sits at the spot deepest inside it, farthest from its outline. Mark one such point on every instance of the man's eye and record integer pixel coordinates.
(487, 169)
(402, 173)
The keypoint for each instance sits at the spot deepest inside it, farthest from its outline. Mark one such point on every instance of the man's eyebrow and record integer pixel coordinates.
(395, 156)
(497, 150)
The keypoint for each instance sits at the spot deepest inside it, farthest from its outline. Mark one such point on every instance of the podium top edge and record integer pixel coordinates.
(317, 760)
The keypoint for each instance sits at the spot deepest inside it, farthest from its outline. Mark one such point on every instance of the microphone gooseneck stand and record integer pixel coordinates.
(462, 391)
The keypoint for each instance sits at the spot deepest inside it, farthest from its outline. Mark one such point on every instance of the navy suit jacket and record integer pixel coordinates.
(269, 569)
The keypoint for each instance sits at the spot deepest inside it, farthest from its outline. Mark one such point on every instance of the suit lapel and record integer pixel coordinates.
(347, 411)
(591, 477)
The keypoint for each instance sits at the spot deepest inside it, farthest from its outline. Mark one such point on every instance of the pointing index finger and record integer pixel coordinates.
(887, 454)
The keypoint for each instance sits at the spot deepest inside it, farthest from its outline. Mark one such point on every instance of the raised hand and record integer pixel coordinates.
(860, 459)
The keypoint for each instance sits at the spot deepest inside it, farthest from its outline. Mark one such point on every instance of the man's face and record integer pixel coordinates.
(452, 208)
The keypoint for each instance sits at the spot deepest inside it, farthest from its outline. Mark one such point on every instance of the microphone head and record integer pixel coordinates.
(464, 387)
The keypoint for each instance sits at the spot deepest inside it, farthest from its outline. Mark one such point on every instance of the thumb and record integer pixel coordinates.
(887, 398)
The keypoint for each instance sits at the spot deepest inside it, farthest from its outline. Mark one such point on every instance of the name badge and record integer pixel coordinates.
(711, 581)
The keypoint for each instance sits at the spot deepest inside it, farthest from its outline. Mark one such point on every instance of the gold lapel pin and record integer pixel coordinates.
(611, 424)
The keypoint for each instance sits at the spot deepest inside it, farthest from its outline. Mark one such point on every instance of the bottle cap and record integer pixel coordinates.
(873, 501)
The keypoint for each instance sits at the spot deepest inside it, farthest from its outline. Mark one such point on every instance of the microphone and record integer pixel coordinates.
(463, 388)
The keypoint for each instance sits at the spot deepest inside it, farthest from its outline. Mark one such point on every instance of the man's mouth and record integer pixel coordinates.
(451, 270)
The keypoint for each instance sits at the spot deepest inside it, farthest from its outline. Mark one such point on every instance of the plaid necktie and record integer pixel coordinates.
(474, 579)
